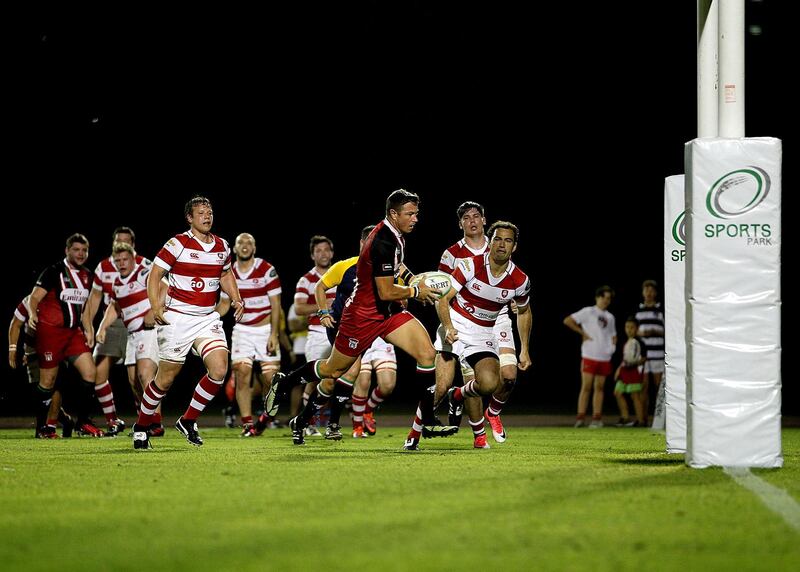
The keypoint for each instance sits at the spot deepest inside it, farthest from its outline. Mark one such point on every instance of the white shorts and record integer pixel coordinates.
(317, 345)
(504, 332)
(176, 338)
(472, 338)
(142, 345)
(249, 343)
(116, 342)
(380, 351)
(654, 366)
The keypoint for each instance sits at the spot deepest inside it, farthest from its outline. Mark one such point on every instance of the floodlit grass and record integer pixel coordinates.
(548, 499)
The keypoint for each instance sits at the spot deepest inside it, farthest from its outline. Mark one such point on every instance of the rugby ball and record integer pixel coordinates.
(435, 279)
(631, 352)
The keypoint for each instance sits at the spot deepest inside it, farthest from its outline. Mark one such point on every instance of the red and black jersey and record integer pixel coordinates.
(381, 256)
(67, 291)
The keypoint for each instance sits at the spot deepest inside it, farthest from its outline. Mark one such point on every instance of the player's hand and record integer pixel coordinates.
(428, 295)
(327, 321)
(586, 337)
(101, 336)
(12, 356)
(158, 316)
(238, 311)
(514, 307)
(452, 336)
(273, 344)
(33, 319)
(524, 361)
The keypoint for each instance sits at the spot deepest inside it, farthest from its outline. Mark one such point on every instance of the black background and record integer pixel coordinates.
(562, 118)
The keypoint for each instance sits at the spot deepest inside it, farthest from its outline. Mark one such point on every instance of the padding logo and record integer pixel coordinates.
(679, 229)
(738, 192)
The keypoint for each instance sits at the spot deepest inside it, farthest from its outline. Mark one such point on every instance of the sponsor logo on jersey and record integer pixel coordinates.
(352, 343)
(197, 284)
(74, 295)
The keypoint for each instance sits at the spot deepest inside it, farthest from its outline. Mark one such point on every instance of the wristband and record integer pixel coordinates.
(12, 347)
(406, 276)
(240, 302)
(321, 313)
(414, 291)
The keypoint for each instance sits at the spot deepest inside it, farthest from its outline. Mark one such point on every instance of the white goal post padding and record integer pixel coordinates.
(733, 302)
(675, 313)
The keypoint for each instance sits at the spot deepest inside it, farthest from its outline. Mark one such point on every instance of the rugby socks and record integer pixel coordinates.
(426, 375)
(151, 398)
(86, 390)
(106, 398)
(359, 403)
(204, 392)
(306, 373)
(469, 389)
(42, 397)
(375, 399)
(478, 428)
(495, 407)
(341, 393)
(314, 406)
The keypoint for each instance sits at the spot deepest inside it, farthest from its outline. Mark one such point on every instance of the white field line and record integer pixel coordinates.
(776, 499)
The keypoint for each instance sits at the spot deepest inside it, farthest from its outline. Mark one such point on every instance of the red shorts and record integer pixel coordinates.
(357, 334)
(595, 367)
(630, 374)
(54, 344)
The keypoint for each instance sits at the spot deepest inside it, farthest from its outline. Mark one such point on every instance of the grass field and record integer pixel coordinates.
(547, 499)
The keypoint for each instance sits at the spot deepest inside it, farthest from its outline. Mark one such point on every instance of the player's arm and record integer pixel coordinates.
(382, 253)
(570, 322)
(110, 315)
(228, 284)
(323, 310)
(274, 343)
(154, 293)
(404, 275)
(14, 328)
(93, 303)
(524, 325)
(443, 310)
(388, 291)
(37, 295)
(223, 305)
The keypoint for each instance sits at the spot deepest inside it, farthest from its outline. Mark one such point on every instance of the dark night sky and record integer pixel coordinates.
(331, 108)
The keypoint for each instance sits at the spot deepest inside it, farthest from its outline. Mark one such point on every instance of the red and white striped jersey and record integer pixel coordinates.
(460, 249)
(131, 296)
(106, 272)
(255, 287)
(481, 296)
(304, 293)
(22, 311)
(194, 271)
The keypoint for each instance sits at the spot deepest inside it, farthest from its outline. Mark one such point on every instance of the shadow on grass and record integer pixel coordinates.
(649, 461)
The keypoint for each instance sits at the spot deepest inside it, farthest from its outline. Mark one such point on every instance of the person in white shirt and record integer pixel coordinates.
(598, 330)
